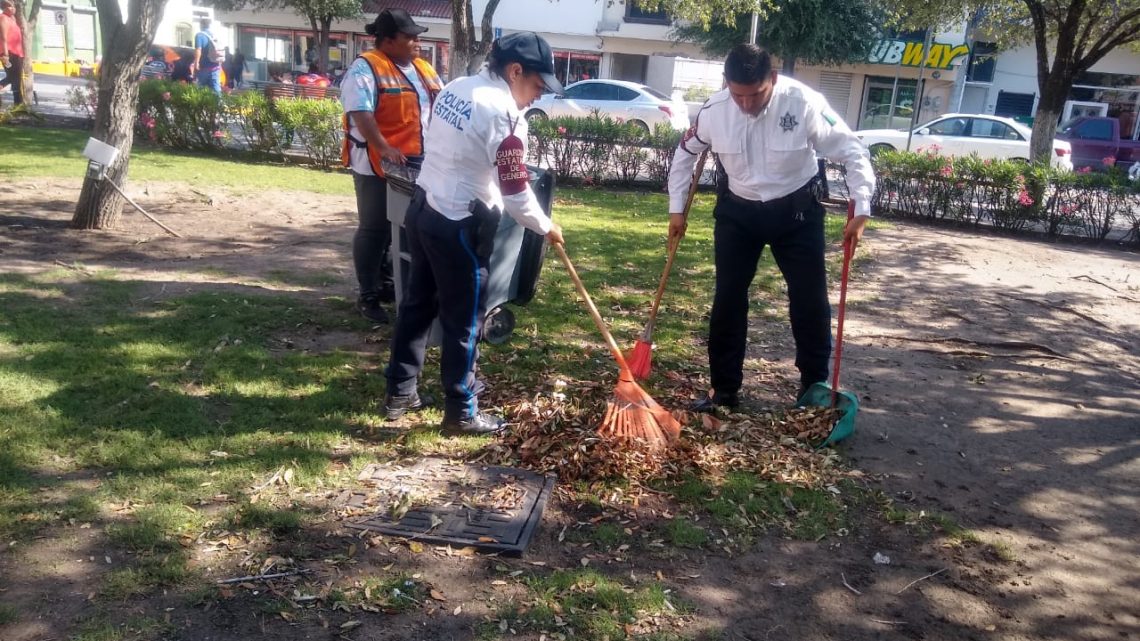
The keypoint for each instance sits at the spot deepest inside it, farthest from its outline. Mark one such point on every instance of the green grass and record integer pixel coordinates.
(39, 152)
(8, 614)
(683, 533)
(159, 406)
(584, 604)
(135, 629)
(745, 505)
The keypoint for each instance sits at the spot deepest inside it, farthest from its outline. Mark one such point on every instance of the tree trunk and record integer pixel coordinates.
(462, 38)
(1054, 91)
(326, 40)
(789, 69)
(26, 19)
(124, 52)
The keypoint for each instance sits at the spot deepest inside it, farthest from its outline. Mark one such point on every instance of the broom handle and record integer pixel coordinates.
(593, 310)
(674, 243)
(842, 309)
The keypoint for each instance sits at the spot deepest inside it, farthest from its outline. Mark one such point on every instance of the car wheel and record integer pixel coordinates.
(640, 124)
(880, 148)
(535, 115)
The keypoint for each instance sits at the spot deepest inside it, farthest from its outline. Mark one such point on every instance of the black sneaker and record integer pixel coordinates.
(370, 309)
(709, 404)
(478, 425)
(387, 294)
(397, 406)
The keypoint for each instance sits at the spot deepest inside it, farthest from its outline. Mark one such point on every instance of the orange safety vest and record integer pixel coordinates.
(397, 108)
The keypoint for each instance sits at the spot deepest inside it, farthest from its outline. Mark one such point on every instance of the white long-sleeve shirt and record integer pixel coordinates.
(773, 154)
(476, 148)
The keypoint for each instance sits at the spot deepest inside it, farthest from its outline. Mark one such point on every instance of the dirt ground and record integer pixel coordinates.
(998, 381)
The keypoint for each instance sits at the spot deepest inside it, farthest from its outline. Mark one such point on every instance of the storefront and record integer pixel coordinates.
(273, 50)
(1107, 94)
(572, 66)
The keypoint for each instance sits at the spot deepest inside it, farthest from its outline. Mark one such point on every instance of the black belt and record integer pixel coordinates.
(810, 187)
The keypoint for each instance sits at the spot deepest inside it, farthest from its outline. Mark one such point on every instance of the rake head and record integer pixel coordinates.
(633, 415)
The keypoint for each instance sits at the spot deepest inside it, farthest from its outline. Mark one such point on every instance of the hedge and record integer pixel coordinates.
(1005, 194)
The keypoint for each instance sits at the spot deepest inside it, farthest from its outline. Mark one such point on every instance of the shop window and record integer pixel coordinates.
(983, 60)
(636, 14)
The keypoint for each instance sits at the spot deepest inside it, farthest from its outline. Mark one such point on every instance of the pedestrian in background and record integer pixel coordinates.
(476, 151)
(387, 95)
(766, 131)
(12, 51)
(207, 58)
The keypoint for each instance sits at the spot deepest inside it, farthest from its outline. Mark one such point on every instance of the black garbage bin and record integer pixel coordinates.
(515, 263)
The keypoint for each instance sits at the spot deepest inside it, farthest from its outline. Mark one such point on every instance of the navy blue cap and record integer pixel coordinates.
(393, 21)
(531, 51)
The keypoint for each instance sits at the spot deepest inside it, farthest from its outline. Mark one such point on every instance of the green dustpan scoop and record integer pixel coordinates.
(820, 395)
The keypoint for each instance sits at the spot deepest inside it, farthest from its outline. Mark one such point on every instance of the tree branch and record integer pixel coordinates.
(1107, 42)
(1037, 15)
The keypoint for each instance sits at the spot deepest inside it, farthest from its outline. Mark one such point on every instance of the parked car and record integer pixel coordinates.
(964, 134)
(632, 102)
(1096, 138)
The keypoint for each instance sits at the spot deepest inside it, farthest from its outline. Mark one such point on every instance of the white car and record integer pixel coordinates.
(629, 101)
(964, 134)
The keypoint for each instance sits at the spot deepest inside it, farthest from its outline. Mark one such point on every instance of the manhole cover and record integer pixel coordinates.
(490, 508)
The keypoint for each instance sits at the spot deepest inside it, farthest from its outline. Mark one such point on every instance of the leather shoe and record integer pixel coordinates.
(709, 404)
(370, 308)
(478, 425)
(397, 406)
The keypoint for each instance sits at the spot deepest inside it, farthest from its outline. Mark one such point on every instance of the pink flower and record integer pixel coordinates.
(1068, 209)
(1109, 161)
(562, 131)
(166, 95)
(946, 171)
(1024, 198)
(987, 161)
(1084, 170)
(219, 134)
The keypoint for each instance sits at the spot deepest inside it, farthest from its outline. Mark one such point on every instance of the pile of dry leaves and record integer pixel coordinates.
(553, 435)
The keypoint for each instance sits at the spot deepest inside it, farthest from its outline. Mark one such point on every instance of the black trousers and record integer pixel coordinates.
(447, 279)
(372, 243)
(793, 227)
(15, 73)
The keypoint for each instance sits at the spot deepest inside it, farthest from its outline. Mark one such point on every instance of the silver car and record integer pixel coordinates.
(626, 101)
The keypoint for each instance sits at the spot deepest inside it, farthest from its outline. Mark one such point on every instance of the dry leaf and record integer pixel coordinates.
(710, 422)
(348, 625)
(437, 595)
(415, 546)
(487, 539)
(458, 610)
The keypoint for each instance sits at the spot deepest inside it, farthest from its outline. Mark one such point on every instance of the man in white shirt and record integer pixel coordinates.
(766, 130)
(475, 150)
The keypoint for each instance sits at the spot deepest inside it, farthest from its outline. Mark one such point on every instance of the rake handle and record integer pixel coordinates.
(674, 243)
(625, 373)
(842, 309)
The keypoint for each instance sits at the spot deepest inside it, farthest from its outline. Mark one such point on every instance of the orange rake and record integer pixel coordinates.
(632, 415)
(641, 357)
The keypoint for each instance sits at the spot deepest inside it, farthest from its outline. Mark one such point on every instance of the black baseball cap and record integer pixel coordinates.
(531, 51)
(393, 21)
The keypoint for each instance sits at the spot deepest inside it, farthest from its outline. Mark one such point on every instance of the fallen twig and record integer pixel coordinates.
(888, 622)
(966, 341)
(1092, 280)
(79, 268)
(848, 585)
(921, 579)
(1062, 308)
(264, 577)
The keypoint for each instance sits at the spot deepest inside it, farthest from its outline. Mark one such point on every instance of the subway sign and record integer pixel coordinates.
(909, 54)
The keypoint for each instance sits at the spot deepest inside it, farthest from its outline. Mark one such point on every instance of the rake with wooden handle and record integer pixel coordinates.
(632, 415)
(641, 357)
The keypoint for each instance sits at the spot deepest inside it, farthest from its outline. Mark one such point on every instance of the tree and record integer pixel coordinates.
(126, 42)
(468, 53)
(319, 13)
(1070, 36)
(819, 32)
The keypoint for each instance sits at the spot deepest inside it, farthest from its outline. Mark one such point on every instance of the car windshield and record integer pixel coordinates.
(1067, 126)
(653, 92)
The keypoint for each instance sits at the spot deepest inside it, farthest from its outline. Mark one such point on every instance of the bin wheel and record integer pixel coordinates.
(498, 325)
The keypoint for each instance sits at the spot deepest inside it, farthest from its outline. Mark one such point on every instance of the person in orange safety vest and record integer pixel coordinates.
(387, 94)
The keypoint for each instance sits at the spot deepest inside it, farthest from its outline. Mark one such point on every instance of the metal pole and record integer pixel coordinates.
(755, 28)
(918, 86)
